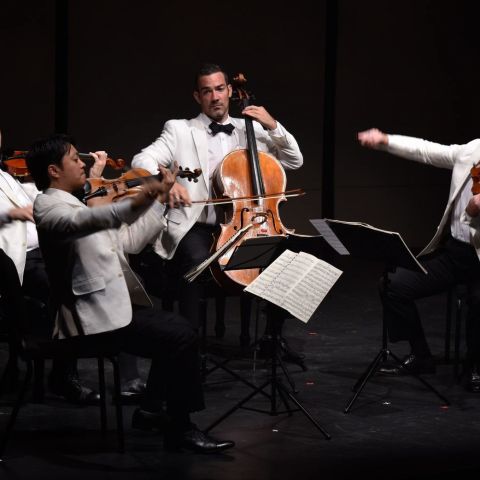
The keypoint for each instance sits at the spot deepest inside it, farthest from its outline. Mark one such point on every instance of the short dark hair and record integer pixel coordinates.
(208, 69)
(45, 152)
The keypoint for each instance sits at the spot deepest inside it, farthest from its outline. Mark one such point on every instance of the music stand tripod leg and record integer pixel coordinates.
(276, 387)
(422, 380)
(358, 387)
(294, 399)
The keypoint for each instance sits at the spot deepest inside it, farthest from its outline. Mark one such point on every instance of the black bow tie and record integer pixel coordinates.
(217, 127)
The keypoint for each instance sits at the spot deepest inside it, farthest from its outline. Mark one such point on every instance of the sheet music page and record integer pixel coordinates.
(274, 282)
(306, 295)
(296, 282)
(329, 236)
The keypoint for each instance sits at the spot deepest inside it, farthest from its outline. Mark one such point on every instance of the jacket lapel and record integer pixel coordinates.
(200, 141)
(7, 190)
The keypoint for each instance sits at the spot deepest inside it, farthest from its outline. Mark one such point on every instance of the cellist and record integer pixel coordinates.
(203, 142)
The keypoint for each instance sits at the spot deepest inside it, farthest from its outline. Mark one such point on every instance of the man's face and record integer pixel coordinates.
(213, 96)
(71, 175)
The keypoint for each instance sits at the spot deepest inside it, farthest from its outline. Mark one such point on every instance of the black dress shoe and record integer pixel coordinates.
(196, 441)
(73, 391)
(150, 421)
(132, 392)
(472, 383)
(410, 364)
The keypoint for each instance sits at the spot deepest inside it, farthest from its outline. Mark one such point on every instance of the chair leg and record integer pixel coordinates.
(103, 395)
(118, 404)
(245, 314)
(203, 337)
(38, 381)
(9, 380)
(16, 408)
(458, 328)
(448, 326)
(220, 316)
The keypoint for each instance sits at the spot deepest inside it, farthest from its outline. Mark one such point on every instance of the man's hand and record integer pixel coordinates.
(100, 161)
(261, 116)
(22, 213)
(177, 195)
(473, 207)
(372, 138)
(149, 192)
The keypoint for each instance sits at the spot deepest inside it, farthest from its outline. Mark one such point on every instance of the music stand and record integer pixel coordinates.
(259, 252)
(370, 243)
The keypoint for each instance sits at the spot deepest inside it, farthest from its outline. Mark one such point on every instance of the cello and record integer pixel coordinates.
(252, 176)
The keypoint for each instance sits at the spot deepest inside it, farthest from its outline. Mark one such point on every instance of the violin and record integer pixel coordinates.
(113, 190)
(255, 182)
(475, 174)
(16, 164)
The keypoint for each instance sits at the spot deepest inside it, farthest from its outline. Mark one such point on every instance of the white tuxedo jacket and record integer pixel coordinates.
(185, 141)
(458, 158)
(83, 248)
(13, 235)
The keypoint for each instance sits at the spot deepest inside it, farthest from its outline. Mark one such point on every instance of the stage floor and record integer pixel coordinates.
(397, 429)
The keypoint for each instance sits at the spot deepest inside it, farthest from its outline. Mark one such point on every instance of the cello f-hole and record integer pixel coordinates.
(278, 230)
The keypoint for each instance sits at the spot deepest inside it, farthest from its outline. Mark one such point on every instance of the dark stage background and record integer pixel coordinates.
(404, 66)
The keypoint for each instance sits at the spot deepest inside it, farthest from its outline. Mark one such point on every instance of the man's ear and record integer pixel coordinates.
(196, 96)
(230, 91)
(53, 171)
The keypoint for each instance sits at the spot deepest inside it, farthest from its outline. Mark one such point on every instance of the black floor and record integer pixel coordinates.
(397, 429)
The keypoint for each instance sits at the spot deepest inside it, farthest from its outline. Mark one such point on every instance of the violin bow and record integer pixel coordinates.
(223, 201)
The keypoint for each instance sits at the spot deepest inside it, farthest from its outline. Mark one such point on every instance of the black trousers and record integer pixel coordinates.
(455, 262)
(170, 341)
(35, 279)
(193, 249)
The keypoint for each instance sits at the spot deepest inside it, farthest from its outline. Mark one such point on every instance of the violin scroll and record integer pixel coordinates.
(475, 174)
(189, 174)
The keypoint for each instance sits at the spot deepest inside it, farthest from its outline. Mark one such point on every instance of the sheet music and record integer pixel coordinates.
(372, 243)
(297, 282)
(306, 295)
(329, 236)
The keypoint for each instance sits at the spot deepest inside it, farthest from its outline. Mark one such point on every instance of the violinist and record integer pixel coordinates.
(203, 142)
(451, 257)
(99, 300)
(19, 240)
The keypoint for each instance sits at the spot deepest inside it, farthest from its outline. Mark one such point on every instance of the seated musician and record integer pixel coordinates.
(19, 240)
(203, 142)
(451, 257)
(97, 297)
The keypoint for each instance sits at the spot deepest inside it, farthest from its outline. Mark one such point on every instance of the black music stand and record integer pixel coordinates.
(370, 243)
(259, 252)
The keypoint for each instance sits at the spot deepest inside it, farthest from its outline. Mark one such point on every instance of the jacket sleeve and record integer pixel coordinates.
(144, 230)
(160, 152)
(52, 215)
(429, 153)
(281, 144)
